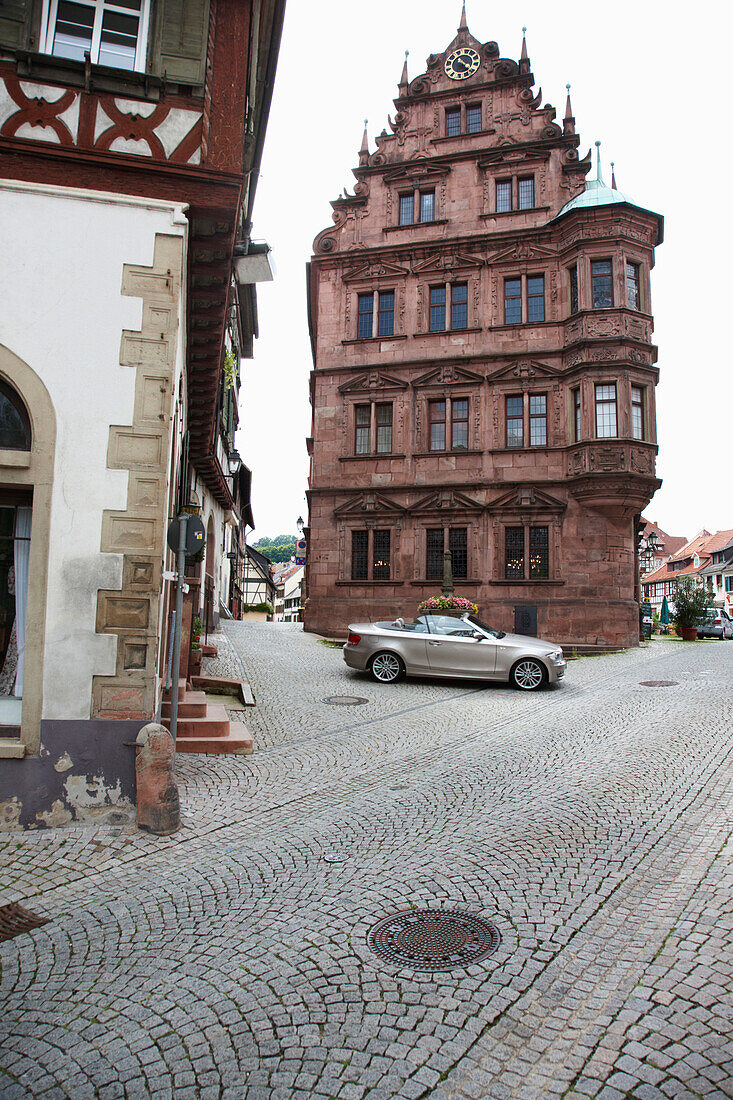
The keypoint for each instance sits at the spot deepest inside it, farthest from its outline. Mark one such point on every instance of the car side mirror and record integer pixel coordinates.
(477, 637)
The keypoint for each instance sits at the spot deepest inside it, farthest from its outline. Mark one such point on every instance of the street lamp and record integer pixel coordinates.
(300, 524)
(235, 462)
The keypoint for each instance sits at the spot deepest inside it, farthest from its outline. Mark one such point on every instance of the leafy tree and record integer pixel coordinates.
(691, 598)
(278, 549)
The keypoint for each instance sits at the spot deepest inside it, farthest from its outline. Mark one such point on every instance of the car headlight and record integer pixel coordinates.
(556, 655)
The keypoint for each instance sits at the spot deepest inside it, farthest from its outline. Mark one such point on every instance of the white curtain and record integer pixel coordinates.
(22, 556)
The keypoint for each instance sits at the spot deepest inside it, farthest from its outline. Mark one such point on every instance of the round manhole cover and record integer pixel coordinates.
(433, 939)
(658, 683)
(345, 700)
(335, 857)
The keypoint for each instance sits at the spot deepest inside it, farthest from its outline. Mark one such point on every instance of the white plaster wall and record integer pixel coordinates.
(63, 313)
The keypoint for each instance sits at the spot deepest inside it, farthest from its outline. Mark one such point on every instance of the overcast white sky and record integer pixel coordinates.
(649, 80)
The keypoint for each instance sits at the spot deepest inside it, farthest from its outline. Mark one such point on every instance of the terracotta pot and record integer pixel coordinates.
(453, 612)
(689, 633)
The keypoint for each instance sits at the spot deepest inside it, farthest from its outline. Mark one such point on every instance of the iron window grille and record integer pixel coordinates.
(516, 558)
(602, 283)
(457, 538)
(606, 411)
(380, 559)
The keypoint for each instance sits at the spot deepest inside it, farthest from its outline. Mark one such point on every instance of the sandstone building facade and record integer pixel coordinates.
(483, 367)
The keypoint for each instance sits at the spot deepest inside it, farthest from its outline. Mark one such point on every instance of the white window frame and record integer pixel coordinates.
(48, 28)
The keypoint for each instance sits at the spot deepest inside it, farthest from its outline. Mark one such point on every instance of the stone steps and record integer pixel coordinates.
(204, 727)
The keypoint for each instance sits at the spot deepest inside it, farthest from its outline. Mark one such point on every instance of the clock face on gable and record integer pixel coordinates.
(462, 63)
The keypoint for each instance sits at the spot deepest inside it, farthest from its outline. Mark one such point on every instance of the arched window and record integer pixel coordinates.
(15, 427)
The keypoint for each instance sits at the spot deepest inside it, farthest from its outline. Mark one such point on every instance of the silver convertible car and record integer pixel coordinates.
(441, 645)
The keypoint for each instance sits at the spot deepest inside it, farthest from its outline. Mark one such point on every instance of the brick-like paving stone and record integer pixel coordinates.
(591, 823)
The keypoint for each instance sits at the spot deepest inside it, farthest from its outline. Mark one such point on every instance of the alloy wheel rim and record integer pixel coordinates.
(386, 667)
(528, 675)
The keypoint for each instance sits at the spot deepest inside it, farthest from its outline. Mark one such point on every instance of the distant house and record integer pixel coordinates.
(718, 573)
(693, 560)
(256, 585)
(656, 546)
(288, 578)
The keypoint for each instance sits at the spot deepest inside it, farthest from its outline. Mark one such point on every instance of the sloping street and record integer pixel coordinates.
(590, 824)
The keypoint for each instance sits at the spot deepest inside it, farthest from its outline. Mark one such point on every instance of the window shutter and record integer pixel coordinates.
(181, 33)
(16, 25)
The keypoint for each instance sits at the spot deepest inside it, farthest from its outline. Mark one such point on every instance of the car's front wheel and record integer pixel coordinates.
(528, 674)
(386, 668)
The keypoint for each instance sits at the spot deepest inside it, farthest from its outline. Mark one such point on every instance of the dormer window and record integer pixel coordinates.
(459, 120)
(113, 34)
(422, 201)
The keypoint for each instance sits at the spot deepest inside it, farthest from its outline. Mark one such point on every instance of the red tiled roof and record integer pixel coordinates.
(703, 544)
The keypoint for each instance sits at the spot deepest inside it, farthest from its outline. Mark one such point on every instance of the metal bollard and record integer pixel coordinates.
(158, 804)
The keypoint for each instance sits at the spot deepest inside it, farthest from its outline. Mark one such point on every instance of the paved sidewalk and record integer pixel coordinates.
(591, 824)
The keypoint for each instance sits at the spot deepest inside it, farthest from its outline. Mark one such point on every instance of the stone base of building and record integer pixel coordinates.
(593, 625)
(85, 773)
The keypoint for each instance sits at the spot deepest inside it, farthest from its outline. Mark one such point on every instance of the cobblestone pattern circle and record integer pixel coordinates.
(658, 683)
(345, 700)
(433, 939)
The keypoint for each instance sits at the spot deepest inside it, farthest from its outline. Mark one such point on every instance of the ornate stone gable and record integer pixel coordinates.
(447, 263)
(522, 369)
(527, 498)
(447, 501)
(369, 503)
(374, 269)
(374, 382)
(448, 375)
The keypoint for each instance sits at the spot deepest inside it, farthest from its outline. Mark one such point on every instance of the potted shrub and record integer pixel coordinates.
(692, 598)
(446, 605)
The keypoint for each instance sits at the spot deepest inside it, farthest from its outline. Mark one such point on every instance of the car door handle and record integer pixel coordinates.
(434, 643)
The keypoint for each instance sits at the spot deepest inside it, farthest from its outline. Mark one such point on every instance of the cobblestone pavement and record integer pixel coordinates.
(590, 823)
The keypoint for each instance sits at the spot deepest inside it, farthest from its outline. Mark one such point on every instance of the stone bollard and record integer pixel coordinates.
(158, 805)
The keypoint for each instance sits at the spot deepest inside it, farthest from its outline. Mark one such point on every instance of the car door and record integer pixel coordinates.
(453, 650)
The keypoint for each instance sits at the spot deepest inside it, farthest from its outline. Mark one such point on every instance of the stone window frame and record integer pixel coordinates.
(429, 521)
(523, 277)
(388, 521)
(469, 277)
(462, 108)
(448, 401)
(362, 401)
(526, 394)
(520, 518)
(31, 470)
(374, 286)
(631, 257)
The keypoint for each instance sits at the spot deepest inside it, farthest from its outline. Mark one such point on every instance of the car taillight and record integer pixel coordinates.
(353, 639)
(718, 622)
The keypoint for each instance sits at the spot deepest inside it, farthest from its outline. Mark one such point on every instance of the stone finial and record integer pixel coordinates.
(524, 56)
(613, 178)
(568, 126)
(463, 25)
(599, 176)
(364, 151)
(405, 79)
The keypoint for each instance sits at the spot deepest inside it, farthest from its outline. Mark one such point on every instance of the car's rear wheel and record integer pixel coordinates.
(528, 674)
(386, 668)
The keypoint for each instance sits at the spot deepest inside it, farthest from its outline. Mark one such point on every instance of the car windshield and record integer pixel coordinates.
(486, 628)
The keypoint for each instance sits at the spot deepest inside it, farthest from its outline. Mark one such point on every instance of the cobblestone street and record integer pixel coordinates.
(591, 823)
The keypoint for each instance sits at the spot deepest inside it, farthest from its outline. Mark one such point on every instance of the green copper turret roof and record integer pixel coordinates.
(597, 193)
